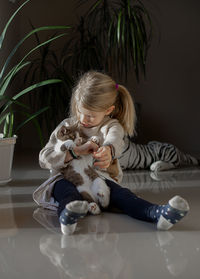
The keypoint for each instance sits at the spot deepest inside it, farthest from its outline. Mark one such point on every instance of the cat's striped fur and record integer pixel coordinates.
(156, 156)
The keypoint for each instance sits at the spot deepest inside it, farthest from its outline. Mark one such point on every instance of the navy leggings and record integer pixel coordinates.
(120, 198)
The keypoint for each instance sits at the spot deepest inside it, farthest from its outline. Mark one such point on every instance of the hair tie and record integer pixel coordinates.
(116, 86)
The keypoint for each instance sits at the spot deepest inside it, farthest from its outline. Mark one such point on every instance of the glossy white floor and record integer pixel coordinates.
(108, 246)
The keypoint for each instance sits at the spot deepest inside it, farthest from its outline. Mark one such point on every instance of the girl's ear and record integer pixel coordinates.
(109, 110)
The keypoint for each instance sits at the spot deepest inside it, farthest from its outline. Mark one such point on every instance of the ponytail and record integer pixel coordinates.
(124, 110)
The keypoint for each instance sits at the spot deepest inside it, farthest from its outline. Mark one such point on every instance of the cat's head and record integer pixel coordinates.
(67, 132)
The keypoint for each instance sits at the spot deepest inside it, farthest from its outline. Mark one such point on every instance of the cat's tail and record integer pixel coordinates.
(187, 159)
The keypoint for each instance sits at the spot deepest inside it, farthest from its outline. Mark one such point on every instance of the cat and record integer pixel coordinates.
(81, 172)
(156, 156)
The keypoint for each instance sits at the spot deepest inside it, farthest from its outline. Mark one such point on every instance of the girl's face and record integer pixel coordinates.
(89, 118)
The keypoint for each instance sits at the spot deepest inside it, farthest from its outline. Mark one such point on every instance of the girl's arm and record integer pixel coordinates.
(53, 158)
(112, 145)
(103, 157)
(115, 138)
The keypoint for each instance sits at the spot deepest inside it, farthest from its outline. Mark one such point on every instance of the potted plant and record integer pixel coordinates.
(11, 105)
(113, 36)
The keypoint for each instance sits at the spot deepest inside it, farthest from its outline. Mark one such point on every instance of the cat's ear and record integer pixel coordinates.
(74, 126)
(62, 131)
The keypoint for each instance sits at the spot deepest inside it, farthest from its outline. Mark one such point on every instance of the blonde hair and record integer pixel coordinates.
(96, 91)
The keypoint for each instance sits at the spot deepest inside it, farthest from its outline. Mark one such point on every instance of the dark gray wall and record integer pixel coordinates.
(170, 94)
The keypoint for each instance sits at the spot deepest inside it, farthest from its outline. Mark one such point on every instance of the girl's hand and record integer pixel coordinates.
(103, 157)
(86, 148)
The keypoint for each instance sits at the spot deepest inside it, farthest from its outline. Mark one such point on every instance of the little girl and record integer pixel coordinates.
(105, 109)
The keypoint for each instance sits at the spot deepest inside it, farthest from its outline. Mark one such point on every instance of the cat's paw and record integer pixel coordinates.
(68, 144)
(95, 139)
(161, 166)
(101, 192)
(93, 208)
(156, 176)
(78, 141)
(103, 198)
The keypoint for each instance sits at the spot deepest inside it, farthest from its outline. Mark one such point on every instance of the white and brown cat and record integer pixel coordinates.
(81, 171)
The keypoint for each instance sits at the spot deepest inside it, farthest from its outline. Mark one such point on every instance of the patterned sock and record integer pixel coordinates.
(70, 215)
(168, 215)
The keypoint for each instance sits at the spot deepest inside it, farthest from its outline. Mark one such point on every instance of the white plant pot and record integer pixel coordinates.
(6, 158)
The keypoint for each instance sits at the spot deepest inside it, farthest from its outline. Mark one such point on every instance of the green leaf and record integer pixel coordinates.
(10, 124)
(148, 17)
(28, 89)
(119, 25)
(123, 30)
(43, 28)
(95, 6)
(5, 127)
(140, 44)
(133, 43)
(15, 69)
(129, 9)
(6, 80)
(8, 23)
(35, 122)
(36, 85)
(30, 117)
(2, 98)
(39, 131)
(2, 118)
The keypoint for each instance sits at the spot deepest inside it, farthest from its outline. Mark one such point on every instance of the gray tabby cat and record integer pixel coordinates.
(80, 171)
(155, 155)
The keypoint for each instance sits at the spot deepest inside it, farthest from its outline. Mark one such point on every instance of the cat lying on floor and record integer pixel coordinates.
(156, 156)
(81, 172)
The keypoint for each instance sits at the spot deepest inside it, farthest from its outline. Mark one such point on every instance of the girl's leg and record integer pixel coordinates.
(164, 215)
(71, 205)
(65, 192)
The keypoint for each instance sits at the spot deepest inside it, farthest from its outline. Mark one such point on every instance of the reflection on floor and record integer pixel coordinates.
(107, 246)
